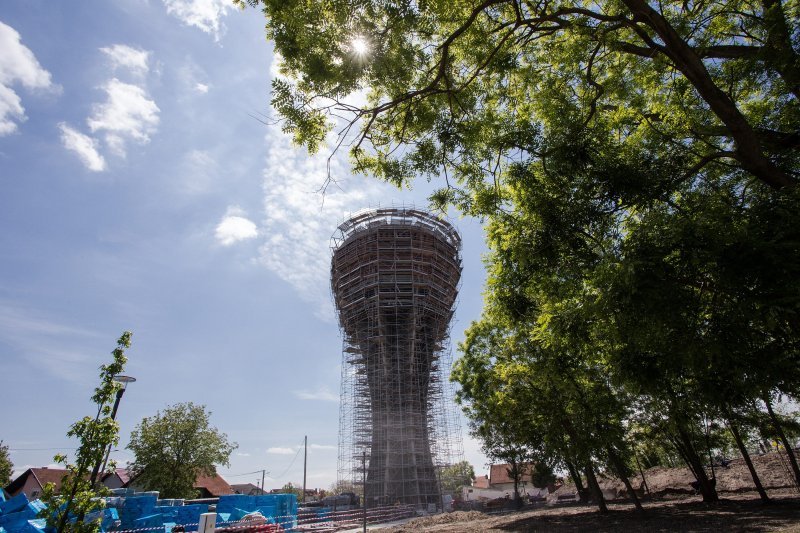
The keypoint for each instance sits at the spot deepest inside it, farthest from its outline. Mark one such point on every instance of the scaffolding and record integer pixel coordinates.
(394, 277)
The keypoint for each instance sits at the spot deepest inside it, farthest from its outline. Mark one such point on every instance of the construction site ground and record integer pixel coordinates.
(673, 507)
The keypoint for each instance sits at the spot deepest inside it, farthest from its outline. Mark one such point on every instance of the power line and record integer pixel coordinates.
(271, 477)
(38, 449)
(290, 464)
(245, 474)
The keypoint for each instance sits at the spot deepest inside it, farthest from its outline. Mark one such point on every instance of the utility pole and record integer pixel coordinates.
(364, 467)
(305, 463)
(263, 472)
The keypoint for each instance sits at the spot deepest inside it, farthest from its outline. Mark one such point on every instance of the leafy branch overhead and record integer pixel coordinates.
(467, 90)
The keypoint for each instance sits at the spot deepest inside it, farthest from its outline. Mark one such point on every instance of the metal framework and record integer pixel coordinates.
(394, 276)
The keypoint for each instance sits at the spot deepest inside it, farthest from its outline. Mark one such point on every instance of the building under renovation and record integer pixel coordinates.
(394, 276)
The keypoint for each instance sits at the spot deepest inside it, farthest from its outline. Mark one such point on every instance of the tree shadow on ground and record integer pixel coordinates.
(726, 515)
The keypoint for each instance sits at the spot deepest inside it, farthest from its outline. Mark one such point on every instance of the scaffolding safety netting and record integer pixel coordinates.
(394, 276)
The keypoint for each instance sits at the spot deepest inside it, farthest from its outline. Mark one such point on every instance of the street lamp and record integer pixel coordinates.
(123, 380)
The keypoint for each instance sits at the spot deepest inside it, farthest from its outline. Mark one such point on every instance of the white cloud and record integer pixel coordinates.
(125, 56)
(234, 227)
(277, 450)
(322, 447)
(17, 65)
(300, 220)
(127, 114)
(204, 14)
(243, 455)
(322, 394)
(193, 78)
(84, 146)
(48, 347)
(198, 171)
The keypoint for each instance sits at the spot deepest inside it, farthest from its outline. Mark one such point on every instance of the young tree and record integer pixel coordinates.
(6, 466)
(173, 447)
(79, 496)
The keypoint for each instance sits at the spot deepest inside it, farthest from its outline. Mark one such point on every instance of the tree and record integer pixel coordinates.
(175, 446)
(455, 476)
(638, 169)
(79, 496)
(6, 466)
(290, 488)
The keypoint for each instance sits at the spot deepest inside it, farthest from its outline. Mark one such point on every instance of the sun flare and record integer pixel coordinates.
(359, 46)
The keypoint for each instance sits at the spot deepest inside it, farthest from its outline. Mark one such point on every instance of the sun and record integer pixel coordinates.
(359, 46)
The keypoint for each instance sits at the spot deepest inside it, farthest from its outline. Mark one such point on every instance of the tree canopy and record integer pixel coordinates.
(455, 476)
(636, 164)
(467, 89)
(6, 466)
(174, 446)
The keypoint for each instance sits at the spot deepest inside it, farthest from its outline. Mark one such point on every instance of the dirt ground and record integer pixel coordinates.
(773, 471)
(673, 506)
(734, 512)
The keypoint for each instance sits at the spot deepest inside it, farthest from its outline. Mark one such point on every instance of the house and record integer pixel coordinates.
(248, 489)
(500, 479)
(481, 482)
(212, 486)
(499, 484)
(117, 479)
(207, 486)
(32, 481)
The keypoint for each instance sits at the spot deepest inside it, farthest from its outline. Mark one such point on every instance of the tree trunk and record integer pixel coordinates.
(783, 438)
(517, 499)
(778, 50)
(707, 487)
(746, 456)
(641, 473)
(583, 495)
(594, 486)
(619, 466)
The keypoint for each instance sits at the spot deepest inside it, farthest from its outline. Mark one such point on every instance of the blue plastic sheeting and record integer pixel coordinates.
(132, 508)
(14, 504)
(29, 511)
(280, 508)
(18, 515)
(109, 518)
(145, 510)
(188, 515)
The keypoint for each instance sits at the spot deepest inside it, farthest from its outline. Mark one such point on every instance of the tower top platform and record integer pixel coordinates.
(369, 219)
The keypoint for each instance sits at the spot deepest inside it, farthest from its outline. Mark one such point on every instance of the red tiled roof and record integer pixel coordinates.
(42, 475)
(481, 482)
(215, 485)
(121, 473)
(499, 474)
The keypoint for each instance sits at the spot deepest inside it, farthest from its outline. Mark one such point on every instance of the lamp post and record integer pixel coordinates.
(123, 380)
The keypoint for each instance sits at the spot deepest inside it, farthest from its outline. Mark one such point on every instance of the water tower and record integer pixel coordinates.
(394, 276)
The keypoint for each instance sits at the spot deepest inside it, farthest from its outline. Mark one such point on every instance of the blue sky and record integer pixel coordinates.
(138, 192)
